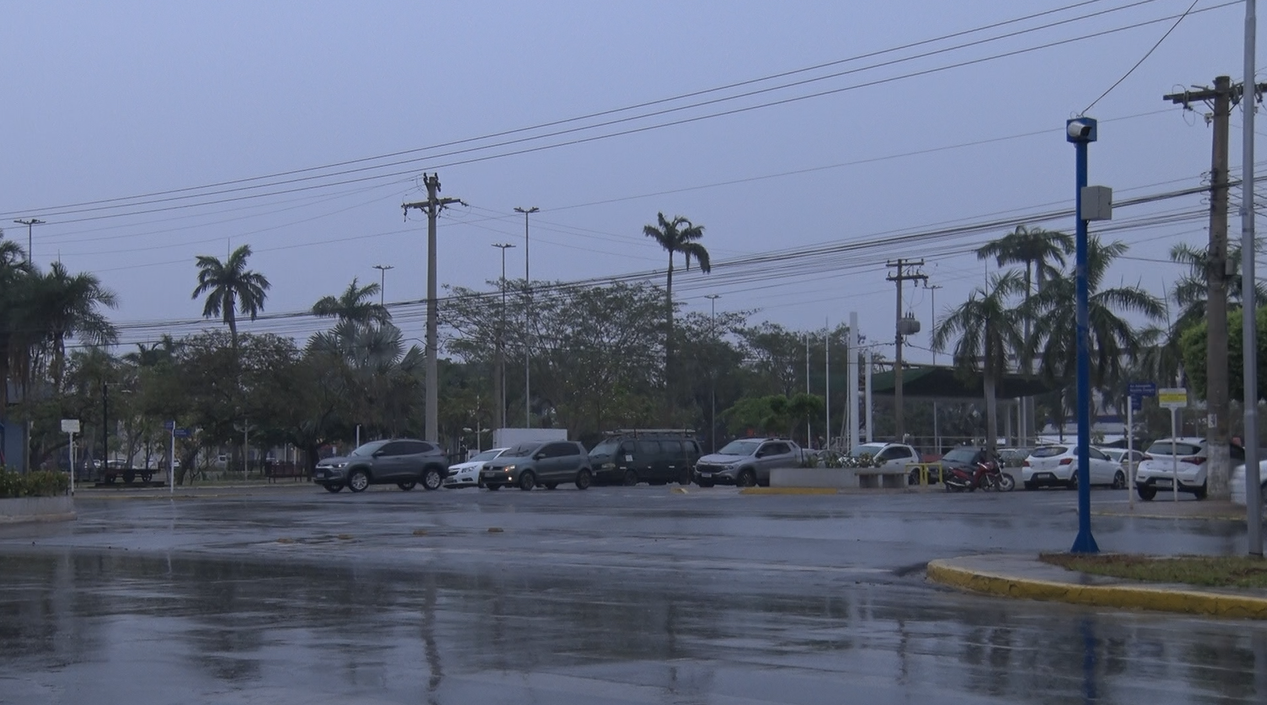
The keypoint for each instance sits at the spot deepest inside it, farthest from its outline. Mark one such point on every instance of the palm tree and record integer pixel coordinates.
(677, 235)
(63, 305)
(230, 287)
(1111, 340)
(356, 305)
(1038, 249)
(989, 328)
(15, 273)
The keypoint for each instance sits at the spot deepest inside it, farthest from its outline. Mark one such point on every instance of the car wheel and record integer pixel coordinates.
(684, 477)
(1119, 480)
(1200, 492)
(583, 479)
(527, 481)
(1146, 492)
(631, 478)
(406, 486)
(432, 479)
(332, 486)
(1031, 486)
(705, 483)
(747, 478)
(1073, 481)
(550, 485)
(358, 480)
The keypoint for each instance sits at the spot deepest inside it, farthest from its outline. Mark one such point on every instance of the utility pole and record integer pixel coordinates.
(432, 207)
(499, 381)
(1218, 272)
(900, 331)
(932, 311)
(29, 223)
(382, 280)
(1249, 308)
(712, 394)
(527, 321)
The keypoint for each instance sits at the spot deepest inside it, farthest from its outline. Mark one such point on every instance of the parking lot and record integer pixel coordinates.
(611, 595)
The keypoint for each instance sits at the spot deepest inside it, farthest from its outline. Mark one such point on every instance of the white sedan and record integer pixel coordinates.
(1056, 465)
(468, 474)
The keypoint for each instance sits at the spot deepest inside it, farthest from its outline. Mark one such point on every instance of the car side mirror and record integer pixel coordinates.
(538, 456)
(376, 454)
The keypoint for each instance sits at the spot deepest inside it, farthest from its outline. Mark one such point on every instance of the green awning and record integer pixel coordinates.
(947, 384)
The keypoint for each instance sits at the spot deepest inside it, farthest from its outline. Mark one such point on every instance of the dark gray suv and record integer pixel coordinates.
(539, 463)
(402, 461)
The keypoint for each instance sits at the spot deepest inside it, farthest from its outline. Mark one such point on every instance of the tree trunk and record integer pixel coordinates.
(668, 343)
(991, 411)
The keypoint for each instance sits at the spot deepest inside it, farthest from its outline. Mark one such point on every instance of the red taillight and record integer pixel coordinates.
(1066, 461)
(1025, 464)
(1147, 457)
(1192, 460)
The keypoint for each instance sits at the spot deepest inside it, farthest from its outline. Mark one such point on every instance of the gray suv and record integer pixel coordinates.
(747, 462)
(404, 462)
(539, 463)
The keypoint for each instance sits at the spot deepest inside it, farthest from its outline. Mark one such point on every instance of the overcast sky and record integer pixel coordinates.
(117, 100)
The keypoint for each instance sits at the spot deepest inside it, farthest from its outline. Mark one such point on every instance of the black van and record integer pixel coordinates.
(657, 456)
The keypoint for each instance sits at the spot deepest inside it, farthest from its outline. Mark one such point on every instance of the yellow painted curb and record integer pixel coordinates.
(788, 490)
(1129, 596)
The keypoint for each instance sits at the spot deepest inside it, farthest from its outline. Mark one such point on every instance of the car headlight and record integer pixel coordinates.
(338, 465)
(607, 466)
(508, 468)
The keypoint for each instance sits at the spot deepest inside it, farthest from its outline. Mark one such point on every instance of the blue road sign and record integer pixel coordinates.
(1142, 389)
(1137, 402)
(182, 433)
(169, 425)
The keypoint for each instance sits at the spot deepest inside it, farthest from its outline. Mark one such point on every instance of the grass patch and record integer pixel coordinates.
(1209, 571)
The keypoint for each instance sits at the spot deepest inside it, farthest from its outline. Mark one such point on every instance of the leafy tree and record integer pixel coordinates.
(989, 329)
(1193, 344)
(774, 414)
(676, 235)
(69, 305)
(230, 288)
(14, 274)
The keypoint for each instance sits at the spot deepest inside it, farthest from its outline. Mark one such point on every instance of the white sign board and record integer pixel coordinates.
(1174, 398)
(70, 425)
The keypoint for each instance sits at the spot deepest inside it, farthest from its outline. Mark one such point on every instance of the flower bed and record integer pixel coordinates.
(35, 496)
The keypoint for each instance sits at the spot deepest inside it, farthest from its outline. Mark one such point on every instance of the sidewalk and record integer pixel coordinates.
(1026, 577)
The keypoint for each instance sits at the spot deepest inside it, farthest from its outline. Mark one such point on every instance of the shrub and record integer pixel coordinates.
(41, 483)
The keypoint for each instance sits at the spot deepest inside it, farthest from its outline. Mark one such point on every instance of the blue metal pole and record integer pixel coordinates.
(1085, 542)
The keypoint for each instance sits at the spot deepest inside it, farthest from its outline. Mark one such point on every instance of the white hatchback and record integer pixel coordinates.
(1181, 458)
(1057, 465)
(468, 474)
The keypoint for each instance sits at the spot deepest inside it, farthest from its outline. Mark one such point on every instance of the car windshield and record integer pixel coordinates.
(1048, 452)
(739, 448)
(1162, 447)
(866, 449)
(520, 451)
(961, 455)
(607, 447)
(368, 449)
(486, 455)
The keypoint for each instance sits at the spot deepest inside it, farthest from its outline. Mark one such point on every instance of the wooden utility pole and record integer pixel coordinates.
(432, 207)
(1218, 272)
(898, 278)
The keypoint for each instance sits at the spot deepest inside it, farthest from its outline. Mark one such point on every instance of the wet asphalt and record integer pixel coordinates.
(613, 595)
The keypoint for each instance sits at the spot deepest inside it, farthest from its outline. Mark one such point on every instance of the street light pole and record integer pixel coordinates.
(29, 223)
(1082, 132)
(527, 321)
(500, 418)
(712, 394)
(382, 280)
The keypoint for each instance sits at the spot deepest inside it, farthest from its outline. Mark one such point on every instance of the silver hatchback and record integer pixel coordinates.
(548, 464)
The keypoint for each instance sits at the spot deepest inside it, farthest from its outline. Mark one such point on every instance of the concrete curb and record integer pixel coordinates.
(788, 490)
(1131, 596)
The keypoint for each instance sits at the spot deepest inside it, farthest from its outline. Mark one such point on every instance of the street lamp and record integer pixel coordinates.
(527, 321)
(382, 280)
(501, 342)
(712, 395)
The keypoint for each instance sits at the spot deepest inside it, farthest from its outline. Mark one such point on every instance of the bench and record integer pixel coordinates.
(295, 471)
(891, 478)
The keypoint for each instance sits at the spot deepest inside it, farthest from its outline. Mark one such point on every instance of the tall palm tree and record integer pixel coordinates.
(989, 328)
(355, 305)
(65, 305)
(1111, 339)
(1042, 252)
(230, 287)
(1190, 291)
(15, 274)
(676, 235)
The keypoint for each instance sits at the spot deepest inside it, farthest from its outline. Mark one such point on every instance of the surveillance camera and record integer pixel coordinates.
(1081, 129)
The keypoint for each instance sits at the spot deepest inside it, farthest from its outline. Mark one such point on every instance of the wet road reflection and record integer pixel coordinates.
(260, 600)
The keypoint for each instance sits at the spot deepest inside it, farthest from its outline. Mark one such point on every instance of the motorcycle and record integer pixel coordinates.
(987, 476)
